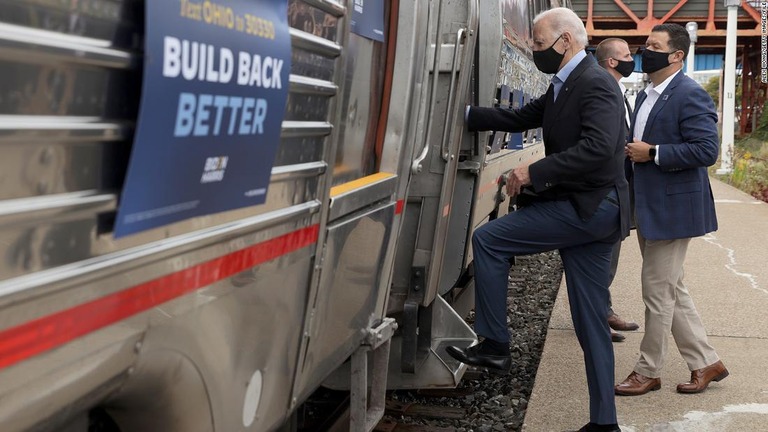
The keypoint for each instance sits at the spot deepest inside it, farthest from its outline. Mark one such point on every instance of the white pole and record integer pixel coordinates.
(690, 62)
(729, 90)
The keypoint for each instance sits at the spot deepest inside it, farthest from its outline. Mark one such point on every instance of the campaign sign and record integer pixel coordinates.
(368, 19)
(212, 104)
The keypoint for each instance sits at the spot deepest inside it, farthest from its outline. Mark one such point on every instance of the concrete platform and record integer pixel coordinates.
(727, 275)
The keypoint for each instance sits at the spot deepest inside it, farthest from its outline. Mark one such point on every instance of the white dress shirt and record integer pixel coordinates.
(562, 75)
(627, 116)
(653, 92)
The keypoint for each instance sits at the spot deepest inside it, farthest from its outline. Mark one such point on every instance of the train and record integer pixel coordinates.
(353, 273)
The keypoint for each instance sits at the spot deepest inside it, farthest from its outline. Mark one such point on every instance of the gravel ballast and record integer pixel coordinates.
(498, 403)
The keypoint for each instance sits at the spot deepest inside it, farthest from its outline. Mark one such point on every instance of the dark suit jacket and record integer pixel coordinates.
(584, 137)
(674, 199)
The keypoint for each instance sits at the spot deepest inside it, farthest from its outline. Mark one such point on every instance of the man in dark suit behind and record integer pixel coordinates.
(580, 204)
(674, 127)
(613, 54)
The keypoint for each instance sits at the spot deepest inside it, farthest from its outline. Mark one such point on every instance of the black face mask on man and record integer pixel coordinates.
(625, 67)
(655, 60)
(548, 60)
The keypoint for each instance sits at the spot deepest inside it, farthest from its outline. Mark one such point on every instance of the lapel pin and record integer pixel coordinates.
(665, 97)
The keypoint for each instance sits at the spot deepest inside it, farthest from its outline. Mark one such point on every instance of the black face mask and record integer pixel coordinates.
(548, 60)
(625, 68)
(655, 60)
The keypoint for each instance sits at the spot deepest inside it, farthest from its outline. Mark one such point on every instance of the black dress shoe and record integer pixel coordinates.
(594, 427)
(474, 356)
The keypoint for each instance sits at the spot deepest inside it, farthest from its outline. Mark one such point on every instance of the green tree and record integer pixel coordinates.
(713, 88)
(761, 131)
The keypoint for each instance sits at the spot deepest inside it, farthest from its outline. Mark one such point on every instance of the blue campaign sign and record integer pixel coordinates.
(212, 104)
(368, 19)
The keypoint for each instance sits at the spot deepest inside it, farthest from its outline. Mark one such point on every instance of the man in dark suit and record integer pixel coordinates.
(675, 139)
(613, 54)
(579, 206)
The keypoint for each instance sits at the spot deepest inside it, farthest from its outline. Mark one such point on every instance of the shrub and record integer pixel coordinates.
(750, 167)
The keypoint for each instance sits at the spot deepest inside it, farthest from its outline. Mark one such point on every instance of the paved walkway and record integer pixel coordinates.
(727, 275)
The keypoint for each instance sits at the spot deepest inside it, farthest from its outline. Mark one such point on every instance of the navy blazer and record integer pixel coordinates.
(674, 199)
(584, 137)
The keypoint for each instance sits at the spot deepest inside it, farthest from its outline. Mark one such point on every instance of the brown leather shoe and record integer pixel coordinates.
(700, 378)
(617, 337)
(636, 385)
(619, 324)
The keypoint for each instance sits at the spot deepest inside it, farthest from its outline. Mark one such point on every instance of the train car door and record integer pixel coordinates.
(350, 286)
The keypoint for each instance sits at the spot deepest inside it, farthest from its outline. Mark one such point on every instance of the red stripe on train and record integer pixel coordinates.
(35, 337)
(399, 206)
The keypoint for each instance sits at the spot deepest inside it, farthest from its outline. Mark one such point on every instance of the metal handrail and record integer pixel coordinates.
(466, 61)
(416, 165)
(332, 7)
(449, 176)
(448, 125)
(35, 45)
(314, 44)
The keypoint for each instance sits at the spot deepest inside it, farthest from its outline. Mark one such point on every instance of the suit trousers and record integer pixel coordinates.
(585, 249)
(669, 307)
(615, 254)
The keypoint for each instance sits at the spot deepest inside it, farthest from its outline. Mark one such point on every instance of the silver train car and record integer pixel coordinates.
(355, 272)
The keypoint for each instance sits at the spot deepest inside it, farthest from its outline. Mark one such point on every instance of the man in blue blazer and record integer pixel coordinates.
(578, 203)
(674, 130)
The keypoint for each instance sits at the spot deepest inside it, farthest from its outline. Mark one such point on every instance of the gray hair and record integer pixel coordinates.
(563, 19)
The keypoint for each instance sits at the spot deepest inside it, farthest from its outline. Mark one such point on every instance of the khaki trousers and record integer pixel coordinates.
(669, 307)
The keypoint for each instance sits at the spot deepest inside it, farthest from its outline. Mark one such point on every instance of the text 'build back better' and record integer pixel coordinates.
(207, 114)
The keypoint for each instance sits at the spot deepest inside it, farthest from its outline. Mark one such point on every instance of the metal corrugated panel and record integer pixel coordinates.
(69, 96)
(70, 86)
(69, 100)
(708, 61)
(703, 62)
(692, 8)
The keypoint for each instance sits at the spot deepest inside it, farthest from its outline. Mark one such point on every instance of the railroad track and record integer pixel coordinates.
(402, 416)
(494, 403)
